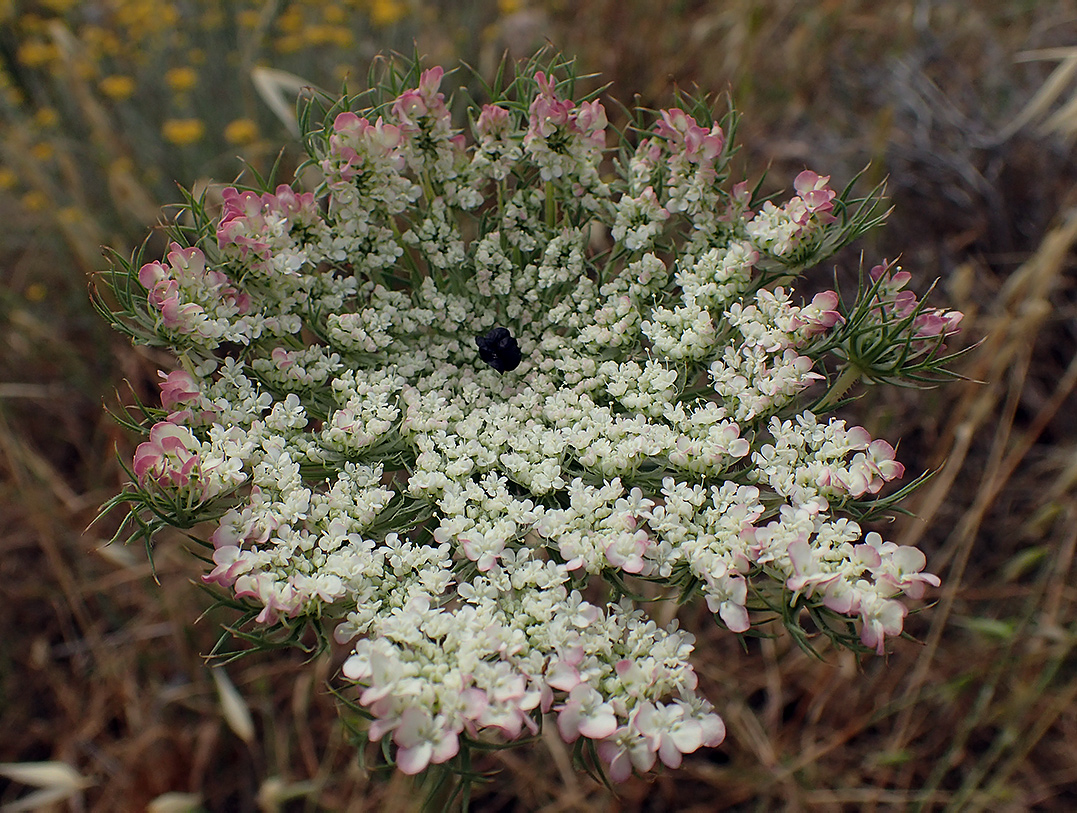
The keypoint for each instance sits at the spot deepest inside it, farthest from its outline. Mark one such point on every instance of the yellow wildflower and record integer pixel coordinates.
(387, 12)
(122, 164)
(288, 44)
(36, 292)
(291, 21)
(241, 131)
(35, 53)
(60, 6)
(8, 179)
(100, 41)
(69, 214)
(117, 86)
(248, 18)
(212, 19)
(181, 79)
(42, 151)
(31, 23)
(46, 117)
(183, 132)
(85, 69)
(34, 201)
(328, 35)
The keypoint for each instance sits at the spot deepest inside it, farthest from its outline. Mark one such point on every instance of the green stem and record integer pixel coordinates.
(846, 379)
(416, 272)
(428, 188)
(551, 205)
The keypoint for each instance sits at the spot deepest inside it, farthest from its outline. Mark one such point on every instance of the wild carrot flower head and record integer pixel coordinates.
(426, 404)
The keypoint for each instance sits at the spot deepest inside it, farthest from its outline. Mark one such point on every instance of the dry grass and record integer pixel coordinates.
(102, 669)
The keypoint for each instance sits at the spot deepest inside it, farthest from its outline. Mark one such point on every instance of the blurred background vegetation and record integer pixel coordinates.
(968, 107)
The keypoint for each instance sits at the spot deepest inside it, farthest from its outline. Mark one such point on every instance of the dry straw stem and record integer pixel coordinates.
(279, 90)
(57, 782)
(1064, 120)
(50, 512)
(1002, 362)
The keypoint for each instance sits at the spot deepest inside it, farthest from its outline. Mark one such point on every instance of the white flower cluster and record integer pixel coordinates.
(297, 369)
(808, 460)
(521, 643)
(476, 377)
(792, 231)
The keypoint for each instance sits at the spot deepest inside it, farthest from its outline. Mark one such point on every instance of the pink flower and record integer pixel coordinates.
(410, 106)
(590, 119)
(358, 142)
(188, 264)
(493, 121)
(282, 358)
(685, 136)
(670, 734)
(893, 304)
(727, 594)
(868, 554)
(807, 576)
(857, 437)
(563, 674)
(870, 469)
(881, 617)
(585, 713)
(484, 552)
(713, 730)
(511, 701)
(625, 550)
(165, 297)
(820, 314)
(881, 454)
(278, 599)
(422, 740)
(817, 196)
(242, 222)
(231, 563)
(152, 274)
(181, 396)
(548, 111)
(841, 597)
(423, 102)
(169, 457)
(430, 81)
(932, 323)
(626, 749)
(171, 288)
(178, 388)
(739, 199)
(287, 202)
(906, 564)
(348, 122)
(892, 281)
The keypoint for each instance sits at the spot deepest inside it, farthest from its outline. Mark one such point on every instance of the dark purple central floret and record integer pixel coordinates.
(499, 349)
